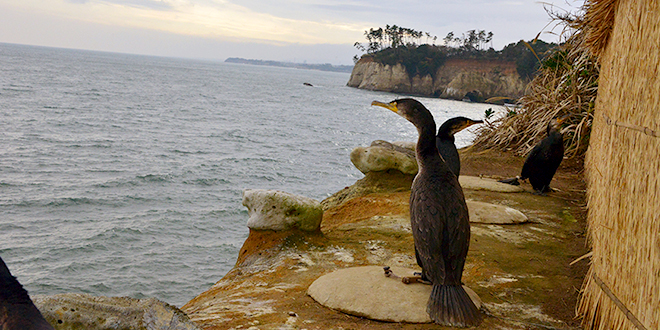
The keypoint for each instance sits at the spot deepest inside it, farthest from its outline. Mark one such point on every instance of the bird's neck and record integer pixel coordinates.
(427, 151)
(446, 137)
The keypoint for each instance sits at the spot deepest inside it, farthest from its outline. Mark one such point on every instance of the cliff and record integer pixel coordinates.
(457, 79)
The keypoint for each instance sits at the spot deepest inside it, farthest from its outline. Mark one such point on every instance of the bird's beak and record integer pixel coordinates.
(473, 122)
(468, 124)
(391, 105)
(562, 119)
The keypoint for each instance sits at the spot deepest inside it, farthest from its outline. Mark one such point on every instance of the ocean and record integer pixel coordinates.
(122, 175)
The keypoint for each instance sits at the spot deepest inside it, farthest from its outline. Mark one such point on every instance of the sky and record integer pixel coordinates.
(303, 31)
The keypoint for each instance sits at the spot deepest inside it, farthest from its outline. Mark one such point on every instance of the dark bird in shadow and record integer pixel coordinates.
(17, 312)
(440, 222)
(543, 161)
(445, 141)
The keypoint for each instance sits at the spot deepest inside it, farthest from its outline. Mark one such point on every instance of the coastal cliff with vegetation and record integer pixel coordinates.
(464, 68)
(474, 79)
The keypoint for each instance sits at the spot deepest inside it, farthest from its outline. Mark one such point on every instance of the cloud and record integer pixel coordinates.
(150, 4)
(281, 22)
(221, 19)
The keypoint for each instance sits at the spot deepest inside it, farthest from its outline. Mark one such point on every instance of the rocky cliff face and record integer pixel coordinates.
(456, 79)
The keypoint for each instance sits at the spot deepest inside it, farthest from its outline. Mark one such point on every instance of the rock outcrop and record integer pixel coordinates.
(85, 312)
(382, 155)
(457, 79)
(521, 272)
(278, 210)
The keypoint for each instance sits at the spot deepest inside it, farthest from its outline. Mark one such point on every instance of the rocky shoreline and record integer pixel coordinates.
(519, 262)
(521, 272)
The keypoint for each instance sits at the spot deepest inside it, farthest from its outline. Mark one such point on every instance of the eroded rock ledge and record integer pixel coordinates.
(521, 271)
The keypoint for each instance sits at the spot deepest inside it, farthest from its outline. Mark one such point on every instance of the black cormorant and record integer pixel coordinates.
(445, 141)
(440, 222)
(17, 312)
(544, 159)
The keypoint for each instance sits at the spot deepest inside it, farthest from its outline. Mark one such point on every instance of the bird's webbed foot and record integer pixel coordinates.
(419, 278)
(542, 191)
(415, 279)
(539, 193)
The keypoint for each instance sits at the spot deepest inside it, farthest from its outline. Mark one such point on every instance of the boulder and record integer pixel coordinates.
(86, 312)
(481, 212)
(278, 210)
(477, 183)
(382, 156)
(367, 292)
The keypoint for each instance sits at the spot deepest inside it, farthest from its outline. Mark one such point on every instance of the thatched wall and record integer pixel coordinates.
(622, 289)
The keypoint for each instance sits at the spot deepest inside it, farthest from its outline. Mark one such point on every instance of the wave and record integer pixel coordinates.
(154, 178)
(208, 182)
(78, 201)
(137, 180)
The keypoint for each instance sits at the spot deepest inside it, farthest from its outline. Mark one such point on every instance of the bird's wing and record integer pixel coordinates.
(457, 236)
(531, 160)
(427, 226)
(441, 228)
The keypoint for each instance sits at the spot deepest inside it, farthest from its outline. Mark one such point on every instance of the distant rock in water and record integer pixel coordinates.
(278, 210)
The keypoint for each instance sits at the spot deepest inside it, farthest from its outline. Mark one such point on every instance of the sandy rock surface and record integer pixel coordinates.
(477, 183)
(482, 212)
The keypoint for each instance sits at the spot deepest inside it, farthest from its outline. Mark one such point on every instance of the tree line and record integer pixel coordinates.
(392, 37)
(472, 39)
(395, 44)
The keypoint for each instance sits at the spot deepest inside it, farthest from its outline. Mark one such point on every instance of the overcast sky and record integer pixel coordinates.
(311, 31)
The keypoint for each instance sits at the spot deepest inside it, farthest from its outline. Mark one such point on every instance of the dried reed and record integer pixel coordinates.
(565, 86)
(622, 290)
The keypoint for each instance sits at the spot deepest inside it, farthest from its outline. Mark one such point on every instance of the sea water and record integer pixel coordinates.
(122, 175)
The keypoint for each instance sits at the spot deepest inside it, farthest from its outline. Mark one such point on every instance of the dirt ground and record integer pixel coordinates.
(522, 273)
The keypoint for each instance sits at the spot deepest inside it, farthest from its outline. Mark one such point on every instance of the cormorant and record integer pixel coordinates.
(445, 141)
(440, 222)
(544, 159)
(17, 312)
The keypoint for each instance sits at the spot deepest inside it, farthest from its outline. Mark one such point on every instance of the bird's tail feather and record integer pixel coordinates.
(450, 305)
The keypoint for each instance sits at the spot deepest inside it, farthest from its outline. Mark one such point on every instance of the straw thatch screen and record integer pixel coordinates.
(622, 289)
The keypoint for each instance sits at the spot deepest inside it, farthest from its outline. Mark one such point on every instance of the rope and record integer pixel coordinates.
(618, 302)
(644, 130)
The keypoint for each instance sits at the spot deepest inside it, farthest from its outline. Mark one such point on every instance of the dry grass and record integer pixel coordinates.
(597, 32)
(566, 86)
